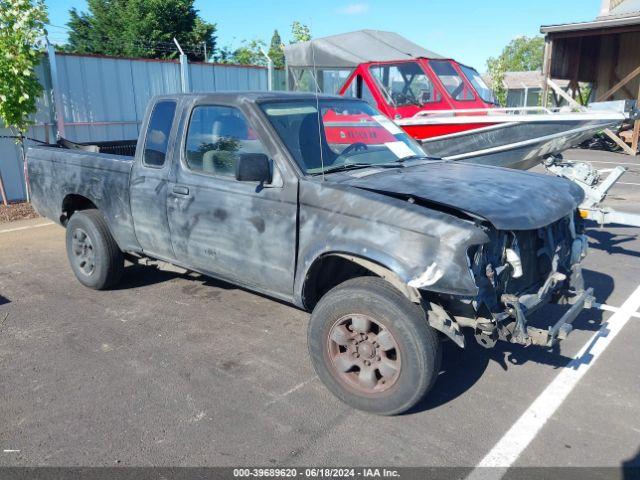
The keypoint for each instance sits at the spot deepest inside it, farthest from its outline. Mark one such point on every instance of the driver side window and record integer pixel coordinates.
(216, 137)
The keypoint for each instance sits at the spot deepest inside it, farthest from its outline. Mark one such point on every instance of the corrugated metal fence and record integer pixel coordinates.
(104, 98)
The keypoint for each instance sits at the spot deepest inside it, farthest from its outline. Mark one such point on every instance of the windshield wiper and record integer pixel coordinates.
(344, 167)
(416, 157)
(353, 166)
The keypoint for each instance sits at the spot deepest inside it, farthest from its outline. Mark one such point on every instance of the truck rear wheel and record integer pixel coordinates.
(372, 347)
(93, 253)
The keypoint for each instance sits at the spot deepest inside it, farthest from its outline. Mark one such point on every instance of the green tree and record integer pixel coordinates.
(496, 71)
(276, 50)
(521, 54)
(300, 32)
(140, 28)
(224, 54)
(249, 53)
(22, 24)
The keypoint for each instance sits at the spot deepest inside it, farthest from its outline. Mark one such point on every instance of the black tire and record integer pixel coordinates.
(417, 344)
(93, 253)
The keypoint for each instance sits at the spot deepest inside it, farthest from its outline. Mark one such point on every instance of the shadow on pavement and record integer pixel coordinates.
(631, 467)
(136, 276)
(4, 300)
(611, 242)
(461, 369)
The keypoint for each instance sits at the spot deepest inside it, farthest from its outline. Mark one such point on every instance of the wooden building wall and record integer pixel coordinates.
(602, 59)
(619, 55)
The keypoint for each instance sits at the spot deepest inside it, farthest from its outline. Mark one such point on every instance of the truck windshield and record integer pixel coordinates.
(344, 135)
(483, 90)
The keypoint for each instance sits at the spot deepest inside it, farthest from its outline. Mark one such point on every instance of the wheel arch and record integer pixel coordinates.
(329, 269)
(332, 268)
(72, 203)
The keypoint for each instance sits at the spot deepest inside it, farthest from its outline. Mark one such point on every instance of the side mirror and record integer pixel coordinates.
(253, 167)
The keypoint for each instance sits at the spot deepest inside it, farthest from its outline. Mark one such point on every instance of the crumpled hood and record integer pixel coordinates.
(509, 199)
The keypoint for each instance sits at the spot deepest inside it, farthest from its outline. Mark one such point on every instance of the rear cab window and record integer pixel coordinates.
(158, 131)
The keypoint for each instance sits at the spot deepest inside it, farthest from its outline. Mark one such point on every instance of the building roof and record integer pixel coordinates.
(348, 50)
(624, 8)
(522, 80)
(617, 13)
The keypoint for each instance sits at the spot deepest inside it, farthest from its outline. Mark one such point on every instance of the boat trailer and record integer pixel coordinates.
(595, 187)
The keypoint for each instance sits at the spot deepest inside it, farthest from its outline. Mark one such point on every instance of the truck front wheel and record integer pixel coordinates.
(93, 253)
(372, 347)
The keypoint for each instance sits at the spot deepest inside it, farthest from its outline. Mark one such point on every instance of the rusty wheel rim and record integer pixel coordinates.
(363, 354)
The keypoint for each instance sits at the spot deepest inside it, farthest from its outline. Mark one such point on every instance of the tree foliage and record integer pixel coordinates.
(300, 32)
(521, 54)
(276, 50)
(249, 53)
(22, 24)
(496, 70)
(140, 28)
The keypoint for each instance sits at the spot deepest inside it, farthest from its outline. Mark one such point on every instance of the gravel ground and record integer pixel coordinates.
(16, 211)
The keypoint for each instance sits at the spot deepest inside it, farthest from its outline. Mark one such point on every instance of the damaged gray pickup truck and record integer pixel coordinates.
(326, 204)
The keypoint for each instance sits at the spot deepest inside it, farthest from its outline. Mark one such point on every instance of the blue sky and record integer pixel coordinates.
(467, 30)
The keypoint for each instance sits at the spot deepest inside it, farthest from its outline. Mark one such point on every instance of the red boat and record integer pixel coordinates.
(443, 104)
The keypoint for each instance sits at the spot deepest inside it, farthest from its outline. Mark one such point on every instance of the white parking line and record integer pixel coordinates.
(520, 435)
(612, 163)
(17, 229)
(609, 308)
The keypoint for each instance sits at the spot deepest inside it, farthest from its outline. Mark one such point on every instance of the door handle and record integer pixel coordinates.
(181, 190)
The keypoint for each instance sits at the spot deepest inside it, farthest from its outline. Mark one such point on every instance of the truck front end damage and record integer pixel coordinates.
(518, 272)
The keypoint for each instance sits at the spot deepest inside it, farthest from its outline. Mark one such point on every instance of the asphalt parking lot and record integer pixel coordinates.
(182, 370)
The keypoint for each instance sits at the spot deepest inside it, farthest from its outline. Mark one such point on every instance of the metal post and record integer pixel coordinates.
(204, 45)
(269, 69)
(184, 69)
(2, 192)
(25, 170)
(55, 86)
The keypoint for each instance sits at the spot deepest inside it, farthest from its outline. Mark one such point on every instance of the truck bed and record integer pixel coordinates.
(56, 172)
(126, 148)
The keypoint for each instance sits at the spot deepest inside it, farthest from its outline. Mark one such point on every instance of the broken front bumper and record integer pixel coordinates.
(517, 331)
(512, 324)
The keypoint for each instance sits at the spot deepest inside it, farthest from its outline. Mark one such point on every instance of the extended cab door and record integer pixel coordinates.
(242, 231)
(148, 189)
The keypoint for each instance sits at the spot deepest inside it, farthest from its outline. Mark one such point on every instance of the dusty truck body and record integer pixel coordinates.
(391, 251)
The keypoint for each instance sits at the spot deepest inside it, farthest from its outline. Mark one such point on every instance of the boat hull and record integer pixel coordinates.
(519, 144)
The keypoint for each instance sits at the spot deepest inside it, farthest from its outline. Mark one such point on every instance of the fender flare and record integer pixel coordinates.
(435, 315)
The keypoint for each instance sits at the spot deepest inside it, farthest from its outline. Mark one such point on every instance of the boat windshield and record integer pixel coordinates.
(451, 80)
(405, 83)
(344, 135)
(476, 80)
